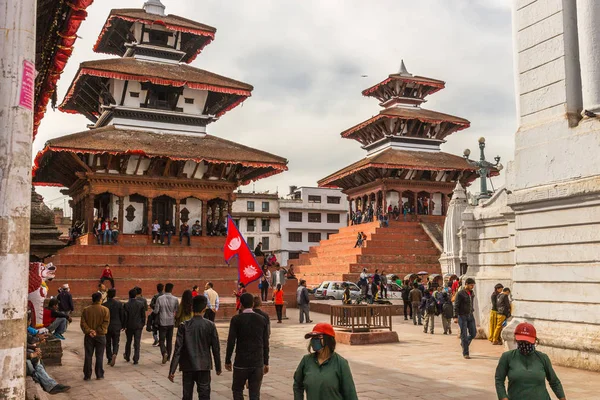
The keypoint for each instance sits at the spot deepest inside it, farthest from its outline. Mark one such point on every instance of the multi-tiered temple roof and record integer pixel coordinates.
(403, 145)
(149, 110)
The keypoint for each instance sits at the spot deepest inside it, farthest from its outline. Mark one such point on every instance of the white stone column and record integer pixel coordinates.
(17, 52)
(588, 27)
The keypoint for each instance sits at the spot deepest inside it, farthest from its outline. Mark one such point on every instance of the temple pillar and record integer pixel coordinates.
(149, 214)
(588, 24)
(122, 213)
(229, 204)
(177, 215)
(87, 206)
(416, 204)
(204, 217)
(384, 200)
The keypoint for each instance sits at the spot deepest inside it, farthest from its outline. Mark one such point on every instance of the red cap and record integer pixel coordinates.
(525, 332)
(322, 328)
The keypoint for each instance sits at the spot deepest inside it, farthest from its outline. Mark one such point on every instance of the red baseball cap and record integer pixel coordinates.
(525, 332)
(322, 328)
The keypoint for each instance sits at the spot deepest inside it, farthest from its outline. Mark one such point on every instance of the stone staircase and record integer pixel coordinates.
(401, 248)
(136, 261)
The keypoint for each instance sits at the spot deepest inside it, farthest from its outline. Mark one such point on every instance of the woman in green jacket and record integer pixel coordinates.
(527, 370)
(324, 374)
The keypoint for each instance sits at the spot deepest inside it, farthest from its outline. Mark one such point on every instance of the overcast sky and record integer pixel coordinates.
(306, 59)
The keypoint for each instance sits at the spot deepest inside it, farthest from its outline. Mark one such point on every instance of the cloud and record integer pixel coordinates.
(305, 60)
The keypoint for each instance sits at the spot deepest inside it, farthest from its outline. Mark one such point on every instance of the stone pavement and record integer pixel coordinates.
(421, 366)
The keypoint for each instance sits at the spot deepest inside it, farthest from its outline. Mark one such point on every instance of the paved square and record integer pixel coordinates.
(421, 366)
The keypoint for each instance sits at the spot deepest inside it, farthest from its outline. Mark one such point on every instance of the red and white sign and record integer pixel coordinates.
(27, 85)
(248, 268)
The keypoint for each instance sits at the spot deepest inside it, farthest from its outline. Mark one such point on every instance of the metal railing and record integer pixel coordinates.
(361, 318)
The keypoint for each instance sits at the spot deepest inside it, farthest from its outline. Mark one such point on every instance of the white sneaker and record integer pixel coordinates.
(154, 241)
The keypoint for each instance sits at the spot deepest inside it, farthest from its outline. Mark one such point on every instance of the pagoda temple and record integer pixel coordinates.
(146, 154)
(404, 165)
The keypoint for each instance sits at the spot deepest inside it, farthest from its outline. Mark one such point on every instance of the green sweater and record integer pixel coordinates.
(526, 376)
(331, 380)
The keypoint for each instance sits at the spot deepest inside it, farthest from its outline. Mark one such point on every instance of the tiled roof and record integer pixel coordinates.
(403, 159)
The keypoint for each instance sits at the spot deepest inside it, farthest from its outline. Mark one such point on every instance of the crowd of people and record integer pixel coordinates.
(320, 374)
(405, 210)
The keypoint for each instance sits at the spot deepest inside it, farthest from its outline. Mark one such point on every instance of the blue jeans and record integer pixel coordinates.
(58, 326)
(168, 235)
(107, 236)
(39, 375)
(468, 331)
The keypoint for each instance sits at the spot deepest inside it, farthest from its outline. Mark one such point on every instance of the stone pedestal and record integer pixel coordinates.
(362, 338)
(52, 352)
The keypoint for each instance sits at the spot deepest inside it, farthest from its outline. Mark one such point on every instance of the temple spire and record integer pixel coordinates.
(403, 71)
(154, 7)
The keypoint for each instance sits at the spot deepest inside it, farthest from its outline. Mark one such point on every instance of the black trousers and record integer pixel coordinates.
(201, 379)
(407, 306)
(93, 345)
(279, 311)
(182, 234)
(112, 343)
(135, 336)
(383, 292)
(210, 315)
(165, 334)
(111, 280)
(254, 376)
(264, 290)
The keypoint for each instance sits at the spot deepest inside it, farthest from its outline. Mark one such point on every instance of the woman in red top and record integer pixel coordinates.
(241, 290)
(278, 298)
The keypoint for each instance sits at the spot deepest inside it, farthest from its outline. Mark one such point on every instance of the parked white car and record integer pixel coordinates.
(334, 290)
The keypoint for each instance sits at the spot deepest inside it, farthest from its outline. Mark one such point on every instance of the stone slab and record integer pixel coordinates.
(366, 338)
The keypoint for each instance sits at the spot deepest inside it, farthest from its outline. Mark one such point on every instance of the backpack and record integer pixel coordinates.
(431, 306)
(447, 310)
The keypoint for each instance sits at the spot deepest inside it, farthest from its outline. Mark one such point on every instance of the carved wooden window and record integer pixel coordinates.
(130, 213)
(185, 215)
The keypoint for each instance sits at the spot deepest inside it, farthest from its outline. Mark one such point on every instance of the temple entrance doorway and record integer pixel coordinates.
(162, 209)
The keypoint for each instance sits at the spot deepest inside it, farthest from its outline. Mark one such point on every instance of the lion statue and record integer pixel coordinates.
(39, 274)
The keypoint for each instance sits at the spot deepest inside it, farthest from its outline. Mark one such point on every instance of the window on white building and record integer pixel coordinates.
(295, 236)
(251, 225)
(237, 223)
(314, 199)
(266, 225)
(265, 242)
(333, 218)
(314, 237)
(250, 205)
(295, 216)
(314, 217)
(265, 206)
(250, 241)
(293, 255)
(333, 199)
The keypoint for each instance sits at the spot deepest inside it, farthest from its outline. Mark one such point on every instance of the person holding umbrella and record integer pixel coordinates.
(323, 374)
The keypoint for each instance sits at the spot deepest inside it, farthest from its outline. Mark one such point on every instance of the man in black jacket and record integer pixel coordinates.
(463, 315)
(257, 309)
(168, 230)
(196, 339)
(136, 318)
(117, 322)
(249, 336)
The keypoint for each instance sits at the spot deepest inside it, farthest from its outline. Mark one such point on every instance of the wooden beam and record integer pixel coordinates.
(167, 167)
(137, 166)
(195, 170)
(80, 162)
(223, 170)
(124, 163)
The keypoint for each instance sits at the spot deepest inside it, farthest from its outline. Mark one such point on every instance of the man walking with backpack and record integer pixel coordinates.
(430, 311)
(463, 315)
(303, 302)
(447, 314)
